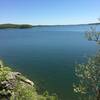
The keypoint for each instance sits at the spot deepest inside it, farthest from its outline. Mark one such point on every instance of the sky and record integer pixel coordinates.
(49, 12)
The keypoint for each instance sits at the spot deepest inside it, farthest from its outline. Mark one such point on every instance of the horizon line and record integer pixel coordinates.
(51, 24)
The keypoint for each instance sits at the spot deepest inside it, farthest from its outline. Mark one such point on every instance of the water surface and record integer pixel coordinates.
(47, 55)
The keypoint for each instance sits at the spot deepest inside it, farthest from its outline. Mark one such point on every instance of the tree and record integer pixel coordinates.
(88, 75)
(93, 35)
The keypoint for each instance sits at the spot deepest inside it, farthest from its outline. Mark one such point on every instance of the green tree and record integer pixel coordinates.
(87, 86)
(88, 75)
(93, 35)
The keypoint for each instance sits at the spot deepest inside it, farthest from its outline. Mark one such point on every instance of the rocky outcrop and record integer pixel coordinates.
(14, 86)
(9, 82)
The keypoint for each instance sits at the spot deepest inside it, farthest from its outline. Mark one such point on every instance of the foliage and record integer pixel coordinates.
(88, 76)
(24, 92)
(3, 73)
(87, 86)
(93, 35)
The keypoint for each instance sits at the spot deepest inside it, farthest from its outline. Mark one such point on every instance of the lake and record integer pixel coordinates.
(47, 55)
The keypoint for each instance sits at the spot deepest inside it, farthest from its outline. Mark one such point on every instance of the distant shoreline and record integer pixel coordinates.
(25, 26)
(15, 26)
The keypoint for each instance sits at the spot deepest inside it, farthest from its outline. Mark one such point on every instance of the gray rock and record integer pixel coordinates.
(15, 75)
(1, 63)
(12, 75)
(29, 82)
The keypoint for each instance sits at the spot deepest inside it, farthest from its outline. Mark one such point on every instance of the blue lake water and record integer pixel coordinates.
(47, 55)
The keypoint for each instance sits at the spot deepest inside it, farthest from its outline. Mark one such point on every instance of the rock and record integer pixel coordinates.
(29, 82)
(8, 85)
(12, 75)
(1, 63)
(17, 75)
